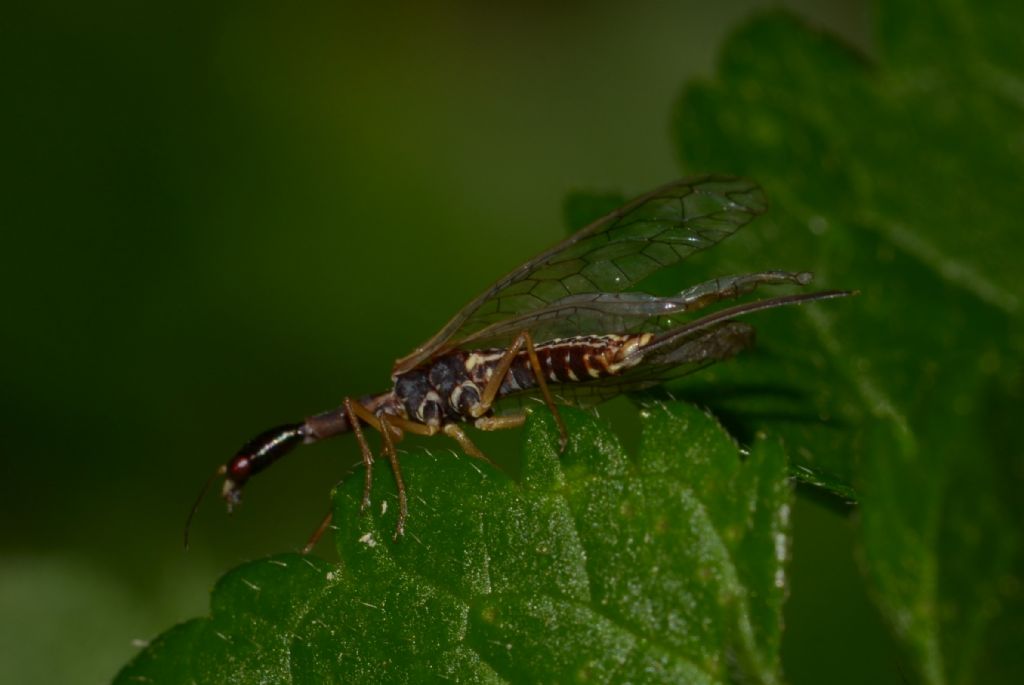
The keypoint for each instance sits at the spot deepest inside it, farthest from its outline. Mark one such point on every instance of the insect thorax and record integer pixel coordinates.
(448, 387)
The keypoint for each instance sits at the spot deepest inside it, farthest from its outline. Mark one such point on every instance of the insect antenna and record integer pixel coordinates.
(221, 470)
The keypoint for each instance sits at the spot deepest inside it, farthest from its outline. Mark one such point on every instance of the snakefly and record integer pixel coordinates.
(562, 327)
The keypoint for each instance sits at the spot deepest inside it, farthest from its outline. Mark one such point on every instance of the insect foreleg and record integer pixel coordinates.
(502, 369)
(354, 415)
(392, 455)
(390, 434)
(391, 429)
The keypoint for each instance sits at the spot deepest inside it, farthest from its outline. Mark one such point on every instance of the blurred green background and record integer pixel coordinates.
(220, 217)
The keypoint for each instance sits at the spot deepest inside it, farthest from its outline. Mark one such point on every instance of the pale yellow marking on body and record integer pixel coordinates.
(631, 345)
(475, 359)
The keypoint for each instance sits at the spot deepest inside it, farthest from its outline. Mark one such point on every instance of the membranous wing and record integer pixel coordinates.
(630, 312)
(614, 253)
(684, 348)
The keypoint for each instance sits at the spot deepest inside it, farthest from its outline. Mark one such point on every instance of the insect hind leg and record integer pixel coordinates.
(524, 339)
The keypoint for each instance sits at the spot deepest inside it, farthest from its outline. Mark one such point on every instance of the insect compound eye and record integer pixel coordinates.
(240, 468)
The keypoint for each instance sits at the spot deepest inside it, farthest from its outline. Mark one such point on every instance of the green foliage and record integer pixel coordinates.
(897, 175)
(900, 178)
(667, 567)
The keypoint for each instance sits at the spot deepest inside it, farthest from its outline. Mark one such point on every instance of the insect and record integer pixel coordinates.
(561, 327)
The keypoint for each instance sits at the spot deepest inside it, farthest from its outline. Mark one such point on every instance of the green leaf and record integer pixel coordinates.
(900, 177)
(667, 567)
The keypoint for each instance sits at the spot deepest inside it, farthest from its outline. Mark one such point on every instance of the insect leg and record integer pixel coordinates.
(353, 417)
(494, 385)
(391, 434)
(318, 533)
(399, 424)
(392, 455)
(452, 430)
(497, 423)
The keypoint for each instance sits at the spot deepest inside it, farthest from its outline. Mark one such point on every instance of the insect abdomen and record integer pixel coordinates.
(566, 360)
